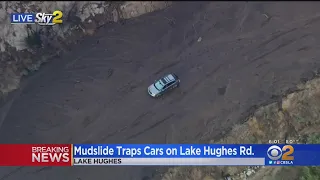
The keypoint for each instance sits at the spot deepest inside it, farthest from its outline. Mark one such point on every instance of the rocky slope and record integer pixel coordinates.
(25, 47)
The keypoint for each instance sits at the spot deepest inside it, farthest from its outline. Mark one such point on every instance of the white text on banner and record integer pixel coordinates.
(170, 161)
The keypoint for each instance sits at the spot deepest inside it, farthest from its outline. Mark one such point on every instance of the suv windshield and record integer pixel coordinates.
(159, 85)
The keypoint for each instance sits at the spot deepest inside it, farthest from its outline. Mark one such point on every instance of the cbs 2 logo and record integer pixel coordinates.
(275, 153)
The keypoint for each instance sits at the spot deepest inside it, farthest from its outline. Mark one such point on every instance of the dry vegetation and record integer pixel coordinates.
(296, 117)
(45, 44)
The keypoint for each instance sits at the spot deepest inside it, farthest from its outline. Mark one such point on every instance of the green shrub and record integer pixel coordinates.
(314, 138)
(313, 172)
(310, 173)
(33, 39)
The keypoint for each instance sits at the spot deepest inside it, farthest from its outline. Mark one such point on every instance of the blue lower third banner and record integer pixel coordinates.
(197, 154)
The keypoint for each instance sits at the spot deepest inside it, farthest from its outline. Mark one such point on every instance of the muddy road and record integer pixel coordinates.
(97, 93)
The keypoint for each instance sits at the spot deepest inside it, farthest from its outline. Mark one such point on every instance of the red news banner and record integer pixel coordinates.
(35, 155)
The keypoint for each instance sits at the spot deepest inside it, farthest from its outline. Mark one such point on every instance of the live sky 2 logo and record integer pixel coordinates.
(46, 19)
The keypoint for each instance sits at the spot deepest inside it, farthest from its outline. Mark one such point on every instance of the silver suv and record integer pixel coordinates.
(163, 85)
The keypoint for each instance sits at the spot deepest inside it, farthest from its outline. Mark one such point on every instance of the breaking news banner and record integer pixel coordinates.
(196, 155)
(159, 155)
(35, 154)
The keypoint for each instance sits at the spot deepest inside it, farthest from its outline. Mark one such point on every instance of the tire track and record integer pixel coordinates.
(113, 133)
(151, 127)
(270, 52)
(245, 14)
(140, 118)
(279, 47)
(277, 36)
(125, 90)
(42, 169)
(196, 84)
(312, 20)
(166, 67)
(11, 173)
(87, 121)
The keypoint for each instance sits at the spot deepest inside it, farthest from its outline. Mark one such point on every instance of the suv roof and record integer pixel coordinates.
(168, 78)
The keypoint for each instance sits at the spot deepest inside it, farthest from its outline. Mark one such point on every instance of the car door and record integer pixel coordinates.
(165, 88)
(170, 85)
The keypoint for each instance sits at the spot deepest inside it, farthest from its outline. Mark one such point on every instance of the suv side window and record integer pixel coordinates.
(170, 83)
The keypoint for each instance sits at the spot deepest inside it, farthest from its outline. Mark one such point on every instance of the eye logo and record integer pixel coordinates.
(275, 153)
